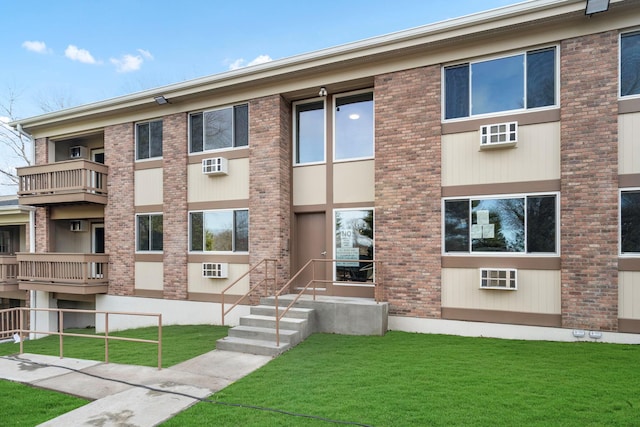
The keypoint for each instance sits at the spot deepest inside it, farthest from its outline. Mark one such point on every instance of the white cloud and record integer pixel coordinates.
(145, 54)
(35, 46)
(127, 63)
(239, 63)
(72, 52)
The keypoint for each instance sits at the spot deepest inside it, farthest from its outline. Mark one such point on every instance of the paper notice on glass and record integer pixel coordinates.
(346, 238)
(347, 253)
(488, 231)
(476, 231)
(482, 217)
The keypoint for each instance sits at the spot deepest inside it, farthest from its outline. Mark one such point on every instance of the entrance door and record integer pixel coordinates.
(97, 247)
(310, 240)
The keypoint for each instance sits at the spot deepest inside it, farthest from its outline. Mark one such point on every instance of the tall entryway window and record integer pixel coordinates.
(354, 231)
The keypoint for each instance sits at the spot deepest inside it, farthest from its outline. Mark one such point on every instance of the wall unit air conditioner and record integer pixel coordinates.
(215, 166)
(499, 135)
(215, 270)
(78, 152)
(77, 225)
(499, 278)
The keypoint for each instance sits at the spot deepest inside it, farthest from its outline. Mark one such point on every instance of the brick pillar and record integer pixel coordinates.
(42, 226)
(119, 214)
(175, 228)
(408, 189)
(270, 183)
(589, 189)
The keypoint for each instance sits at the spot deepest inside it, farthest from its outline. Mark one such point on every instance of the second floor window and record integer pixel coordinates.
(149, 232)
(517, 82)
(309, 133)
(354, 126)
(219, 129)
(630, 64)
(149, 140)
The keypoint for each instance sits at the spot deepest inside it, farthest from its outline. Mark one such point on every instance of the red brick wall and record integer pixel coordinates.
(42, 228)
(270, 182)
(119, 214)
(589, 189)
(407, 194)
(175, 239)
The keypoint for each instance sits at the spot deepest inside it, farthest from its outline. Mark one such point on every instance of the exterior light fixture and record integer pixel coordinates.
(596, 6)
(161, 100)
(323, 91)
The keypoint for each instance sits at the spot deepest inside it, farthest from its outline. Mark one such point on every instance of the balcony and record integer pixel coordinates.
(80, 274)
(72, 181)
(8, 273)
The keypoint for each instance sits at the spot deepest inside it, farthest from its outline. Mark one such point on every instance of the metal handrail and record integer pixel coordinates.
(377, 292)
(266, 278)
(22, 331)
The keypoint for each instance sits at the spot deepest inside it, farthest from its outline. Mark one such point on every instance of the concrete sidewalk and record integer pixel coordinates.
(126, 394)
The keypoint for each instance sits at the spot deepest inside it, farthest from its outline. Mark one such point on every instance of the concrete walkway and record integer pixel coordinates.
(126, 394)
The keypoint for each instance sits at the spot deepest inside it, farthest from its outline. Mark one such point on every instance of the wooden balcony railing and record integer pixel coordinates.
(64, 272)
(63, 182)
(8, 273)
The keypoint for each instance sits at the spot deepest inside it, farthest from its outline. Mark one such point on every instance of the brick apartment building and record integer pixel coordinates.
(488, 164)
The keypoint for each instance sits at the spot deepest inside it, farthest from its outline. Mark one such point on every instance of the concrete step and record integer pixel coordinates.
(252, 346)
(294, 312)
(265, 334)
(293, 324)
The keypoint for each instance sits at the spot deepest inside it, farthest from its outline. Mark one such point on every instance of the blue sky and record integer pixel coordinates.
(86, 51)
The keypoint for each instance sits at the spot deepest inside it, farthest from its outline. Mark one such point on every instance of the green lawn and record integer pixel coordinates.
(405, 379)
(400, 379)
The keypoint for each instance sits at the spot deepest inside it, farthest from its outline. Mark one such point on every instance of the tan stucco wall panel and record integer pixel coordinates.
(309, 185)
(149, 276)
(233, 186)
(148, 187)
(199, 284)
(353, 182)
(538, 291)
(628, 148)
(536, 157)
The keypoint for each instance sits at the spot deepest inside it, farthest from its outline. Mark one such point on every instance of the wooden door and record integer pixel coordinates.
(310, 243)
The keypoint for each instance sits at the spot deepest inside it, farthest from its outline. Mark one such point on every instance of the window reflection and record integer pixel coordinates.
(310, 132)
(354, 241)
(354, 126)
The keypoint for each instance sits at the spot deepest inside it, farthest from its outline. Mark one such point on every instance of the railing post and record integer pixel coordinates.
(160, 341)
(21, 321)
(277, 322)
(61, 332)
(222, 305)
(106, 337)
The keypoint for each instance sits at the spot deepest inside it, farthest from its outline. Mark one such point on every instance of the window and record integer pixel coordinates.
(354, 241)
(630, 64)
(309, 133)
(219, 129)
(517, 82)
(219, 231)
(354, 126)
(630, 222)
(149, 232)
(516, 224)
(149, 140)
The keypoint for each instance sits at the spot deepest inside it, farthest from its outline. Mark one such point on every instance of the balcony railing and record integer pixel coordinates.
(63, 182)
(8, 273)
(64, 272)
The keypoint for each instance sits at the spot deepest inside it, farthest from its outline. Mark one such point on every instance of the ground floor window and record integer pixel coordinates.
(517, 224)
(219, 231)
(354, 231)
(630, 221)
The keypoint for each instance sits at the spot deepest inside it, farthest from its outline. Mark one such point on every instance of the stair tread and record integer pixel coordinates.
(280, 308)
(272, 318)
(261, 329)
(249, 341)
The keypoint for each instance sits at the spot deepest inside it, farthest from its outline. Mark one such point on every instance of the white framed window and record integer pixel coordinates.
(491, 225)
(149, 232)
(353, 126)
(219, 129)
(629, 220)
(521, 81)
(219, 231)
(630, 64)
(309, 132)
(354, 245)
(149, 140)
